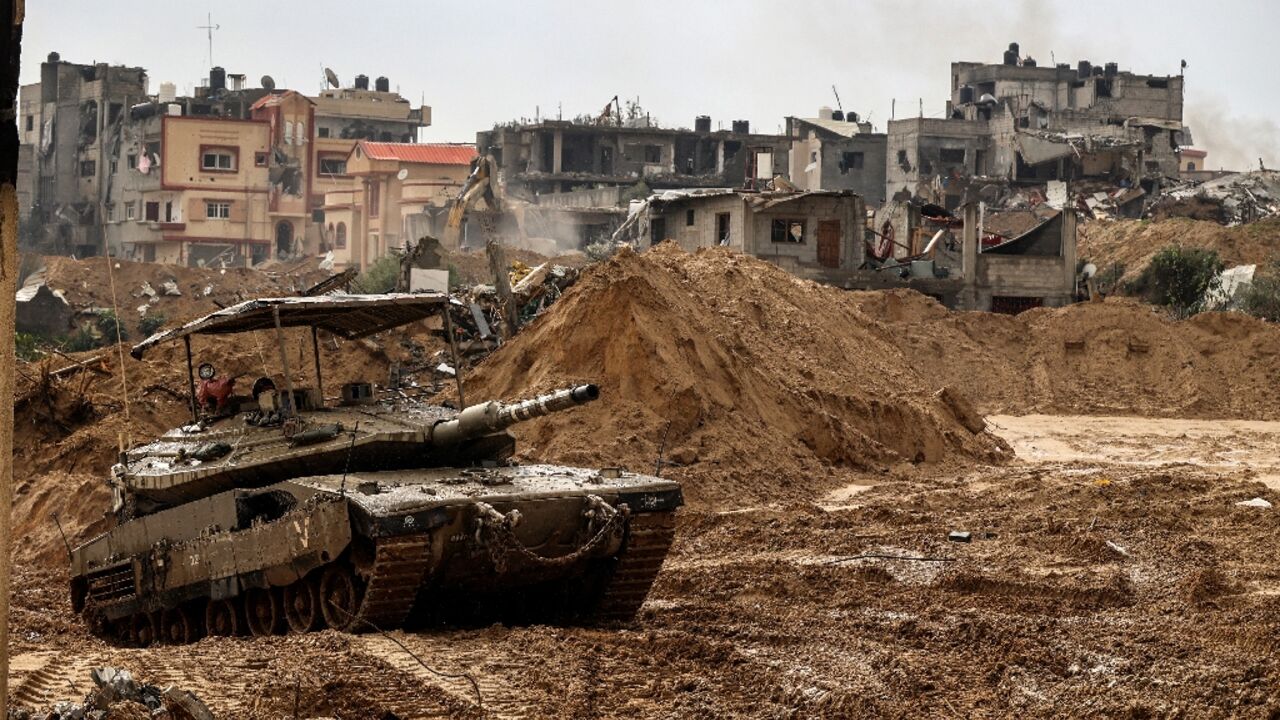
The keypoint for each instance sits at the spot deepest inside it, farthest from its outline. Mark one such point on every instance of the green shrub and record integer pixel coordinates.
(381, 276)
(26, 346)
(1179, 278)
(151, 324)
(1262, 297)
(82, 340)
(110, 328)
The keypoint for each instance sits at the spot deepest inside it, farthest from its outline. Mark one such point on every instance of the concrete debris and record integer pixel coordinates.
(148, 290)
(1255, 503)
(961, 536)
(1230, 200)
(171, 289)
(117, 694)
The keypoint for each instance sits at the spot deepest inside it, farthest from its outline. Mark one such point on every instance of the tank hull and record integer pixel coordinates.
(380, 550)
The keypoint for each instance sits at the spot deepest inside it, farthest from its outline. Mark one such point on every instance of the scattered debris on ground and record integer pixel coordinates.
(116, 695)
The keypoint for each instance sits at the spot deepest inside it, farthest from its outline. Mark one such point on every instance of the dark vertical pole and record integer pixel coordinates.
(315, 351)
(284, 363)
(11, 15)
(191, 380)
(453, 347)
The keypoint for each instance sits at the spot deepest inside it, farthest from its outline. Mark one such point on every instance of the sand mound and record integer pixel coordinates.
(760, 377)
(1118, 357)
(1132, 243)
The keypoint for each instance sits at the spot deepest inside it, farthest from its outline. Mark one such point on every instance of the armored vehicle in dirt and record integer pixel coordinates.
(288, 510)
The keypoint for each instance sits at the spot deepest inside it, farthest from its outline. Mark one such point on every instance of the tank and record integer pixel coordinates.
(277, 513)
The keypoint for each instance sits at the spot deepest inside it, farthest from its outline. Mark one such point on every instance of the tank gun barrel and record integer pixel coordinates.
(490, 417)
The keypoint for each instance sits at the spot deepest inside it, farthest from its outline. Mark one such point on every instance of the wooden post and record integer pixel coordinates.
(191, 381)
(315, 351)
(11, 15)
(284, 362)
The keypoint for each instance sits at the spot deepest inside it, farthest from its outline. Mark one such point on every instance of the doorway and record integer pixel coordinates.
(284, 239)
(829, 243)
(722, 229)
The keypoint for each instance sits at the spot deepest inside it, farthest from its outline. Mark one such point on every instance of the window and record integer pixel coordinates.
(111, 212)
(1191, 166)
(88, 168)
(688, 217)
(322, 132)
(218, 161)
(113, 112)
(952, 156)
(31, 122)
(168, 211)
(128, 210)
(114, 166)
(851, 161)
(288, 132)
(260, 159)
(301, 137)
(787, 230)
(151, 212)
(813, 156)
(131, 161)
(653, 153)
(333, 166)
(340, 236)
(375, 192)
(903, 162)
(217, 210)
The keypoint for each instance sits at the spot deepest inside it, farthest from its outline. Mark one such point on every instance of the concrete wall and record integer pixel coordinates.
(817, 162)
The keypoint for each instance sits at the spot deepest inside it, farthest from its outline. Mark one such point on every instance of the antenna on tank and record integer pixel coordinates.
(209, 27)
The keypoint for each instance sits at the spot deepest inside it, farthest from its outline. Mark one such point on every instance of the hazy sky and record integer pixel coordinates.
(477, 62)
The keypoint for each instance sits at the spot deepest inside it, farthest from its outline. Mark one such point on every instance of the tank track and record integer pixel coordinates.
(399, 565)
(649, 537)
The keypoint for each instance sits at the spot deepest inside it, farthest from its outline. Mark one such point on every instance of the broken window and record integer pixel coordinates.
(851, 161)
(217, 210)
(113, 112)
(903, 162)
(787, 230)
(1159, 83)
(688, 217)
(952, 156)
(88, 168)
(260, 159)
(218, 160)
(653, 153)
(333, 166)
(151, 212)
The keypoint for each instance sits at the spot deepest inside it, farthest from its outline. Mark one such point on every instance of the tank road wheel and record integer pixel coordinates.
(145, 629)
(222, 618)
(339, 596)
(302, 605)
(263, 612)
(179, 626)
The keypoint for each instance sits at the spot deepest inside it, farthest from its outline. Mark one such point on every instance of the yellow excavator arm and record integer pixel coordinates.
(480, 184)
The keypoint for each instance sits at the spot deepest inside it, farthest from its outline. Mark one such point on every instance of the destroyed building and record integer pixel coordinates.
(1021, 123)
(401, 191)
(814, 234)
(70, 121)
(230, 174)
(835, 151)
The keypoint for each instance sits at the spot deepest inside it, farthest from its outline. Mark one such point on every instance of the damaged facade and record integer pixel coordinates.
(836, 152)
(230, 175)
(1020, 123)
(814, 234)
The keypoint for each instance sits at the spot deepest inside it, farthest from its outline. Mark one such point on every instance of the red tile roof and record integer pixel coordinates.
(428, 153)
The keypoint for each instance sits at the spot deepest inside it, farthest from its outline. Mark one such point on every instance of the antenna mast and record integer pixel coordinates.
(209, 27)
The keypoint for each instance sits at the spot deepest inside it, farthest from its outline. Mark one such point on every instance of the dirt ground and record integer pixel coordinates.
(1110, 573)
(1109, 569)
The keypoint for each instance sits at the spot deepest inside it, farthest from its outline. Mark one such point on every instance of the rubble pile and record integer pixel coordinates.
(1122, 249)
(742, 375)
(1230, 200)
(168, 294)
(116, 696)
(1118, 357)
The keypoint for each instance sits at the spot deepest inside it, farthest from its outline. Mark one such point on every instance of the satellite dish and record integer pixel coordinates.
(1089, 270)
(268, 83)
(404, 173)
(332, 77)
